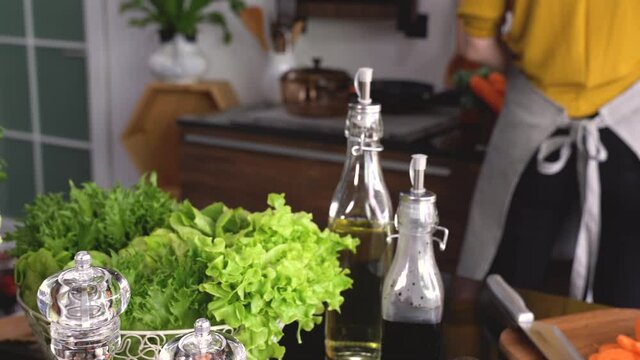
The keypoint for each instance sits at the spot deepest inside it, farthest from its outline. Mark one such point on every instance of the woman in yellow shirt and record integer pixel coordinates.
(569, 134)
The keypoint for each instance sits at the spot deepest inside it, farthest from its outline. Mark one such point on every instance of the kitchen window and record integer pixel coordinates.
(45, 98)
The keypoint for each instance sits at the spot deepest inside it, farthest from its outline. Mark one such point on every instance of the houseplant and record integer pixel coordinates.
(178, 58)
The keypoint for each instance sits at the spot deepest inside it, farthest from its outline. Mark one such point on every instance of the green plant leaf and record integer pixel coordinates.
(132, 5)
(237, 6)
(141, 22)
(216, 18)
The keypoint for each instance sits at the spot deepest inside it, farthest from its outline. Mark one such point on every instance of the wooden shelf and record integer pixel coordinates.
(404, 12)
(348, 9)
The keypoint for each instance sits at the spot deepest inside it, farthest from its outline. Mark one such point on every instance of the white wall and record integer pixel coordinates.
(342, 44)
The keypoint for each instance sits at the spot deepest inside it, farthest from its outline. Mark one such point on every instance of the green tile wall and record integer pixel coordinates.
(14, 88)
(62, 89)
(19, 188)
(64, 164)
(11, 18)
(58, 19)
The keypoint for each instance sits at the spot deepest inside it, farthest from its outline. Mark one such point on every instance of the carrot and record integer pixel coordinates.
(626, 343)
(638, 329)
(485, 91)
(594, 357)
(605, 347)
(616, 354)
(498, 81)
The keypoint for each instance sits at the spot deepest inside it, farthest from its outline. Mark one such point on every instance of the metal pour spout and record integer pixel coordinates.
(417, 169)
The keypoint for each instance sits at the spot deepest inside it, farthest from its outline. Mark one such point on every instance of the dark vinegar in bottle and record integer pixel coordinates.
(408, 341)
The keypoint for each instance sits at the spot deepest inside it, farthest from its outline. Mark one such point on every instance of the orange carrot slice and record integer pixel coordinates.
(638, 329)
(605, 347)
(626, 343)
(594, 357)
(616, 354)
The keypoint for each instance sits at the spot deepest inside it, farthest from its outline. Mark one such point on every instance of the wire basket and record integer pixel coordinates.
(134, 345)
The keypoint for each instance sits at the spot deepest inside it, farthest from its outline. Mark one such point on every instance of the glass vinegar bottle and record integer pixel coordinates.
(413, 292)
(361, 207)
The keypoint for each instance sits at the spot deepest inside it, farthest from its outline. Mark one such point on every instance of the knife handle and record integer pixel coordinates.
(509, 299)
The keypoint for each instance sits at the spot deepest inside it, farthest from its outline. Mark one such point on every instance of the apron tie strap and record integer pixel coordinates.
(585, 135)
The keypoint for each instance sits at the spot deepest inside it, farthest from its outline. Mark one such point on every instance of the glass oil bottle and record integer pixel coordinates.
(361, 207)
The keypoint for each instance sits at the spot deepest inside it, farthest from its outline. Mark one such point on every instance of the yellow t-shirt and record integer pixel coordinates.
(580, 53)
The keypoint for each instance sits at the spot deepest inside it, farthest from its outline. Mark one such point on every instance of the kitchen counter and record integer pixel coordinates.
(471, 325)
(410, 132)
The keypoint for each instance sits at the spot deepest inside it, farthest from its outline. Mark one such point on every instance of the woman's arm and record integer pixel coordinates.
(478, 32)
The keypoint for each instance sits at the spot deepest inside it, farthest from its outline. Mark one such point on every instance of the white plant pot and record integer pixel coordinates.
(277, 65)
(178, 61)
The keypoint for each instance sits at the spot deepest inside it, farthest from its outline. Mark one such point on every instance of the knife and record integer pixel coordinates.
(548, 338)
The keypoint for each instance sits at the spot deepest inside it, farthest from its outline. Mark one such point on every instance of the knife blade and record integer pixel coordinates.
(549, 339)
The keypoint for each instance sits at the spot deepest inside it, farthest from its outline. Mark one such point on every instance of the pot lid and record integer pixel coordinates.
(316, 71)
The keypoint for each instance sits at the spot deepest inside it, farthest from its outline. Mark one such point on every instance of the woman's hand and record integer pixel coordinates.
(485, 51)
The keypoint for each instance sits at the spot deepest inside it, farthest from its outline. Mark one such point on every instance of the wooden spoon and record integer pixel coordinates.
(253, 19)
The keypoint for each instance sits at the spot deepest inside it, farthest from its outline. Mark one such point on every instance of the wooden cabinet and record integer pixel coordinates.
(151, 136)
(240, 167)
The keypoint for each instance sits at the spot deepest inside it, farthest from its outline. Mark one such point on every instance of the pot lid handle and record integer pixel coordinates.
(362, 83)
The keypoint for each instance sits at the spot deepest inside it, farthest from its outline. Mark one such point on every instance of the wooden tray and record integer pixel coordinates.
(585, 330)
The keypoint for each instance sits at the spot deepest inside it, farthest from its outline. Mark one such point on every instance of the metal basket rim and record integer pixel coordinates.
(40, 317)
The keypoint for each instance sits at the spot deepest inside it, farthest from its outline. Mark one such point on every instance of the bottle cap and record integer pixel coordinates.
(417, 167)
(362, 83)
(363, 119)
(417, 209)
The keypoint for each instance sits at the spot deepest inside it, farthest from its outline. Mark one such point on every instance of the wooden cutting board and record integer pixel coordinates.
(585, 330)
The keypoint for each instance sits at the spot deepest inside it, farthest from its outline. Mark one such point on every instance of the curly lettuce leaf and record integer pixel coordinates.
(275, 269)
(92, 218)
(57, 226)
(31, 270)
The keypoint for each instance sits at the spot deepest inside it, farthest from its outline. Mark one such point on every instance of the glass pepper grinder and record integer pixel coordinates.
(413, 293)
(203, 344)
(83, 305)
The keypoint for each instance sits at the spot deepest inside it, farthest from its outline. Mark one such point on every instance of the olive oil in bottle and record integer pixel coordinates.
(361, 207)
(356, 330)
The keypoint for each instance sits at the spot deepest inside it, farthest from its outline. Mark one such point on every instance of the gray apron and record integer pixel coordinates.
(526, 125)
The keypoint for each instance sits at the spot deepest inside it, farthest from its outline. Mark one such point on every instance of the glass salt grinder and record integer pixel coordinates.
(203, 344)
